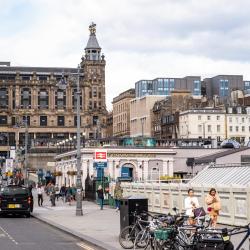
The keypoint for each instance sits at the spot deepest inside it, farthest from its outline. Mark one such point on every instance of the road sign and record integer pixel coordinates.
(100, 155)
(100, 164)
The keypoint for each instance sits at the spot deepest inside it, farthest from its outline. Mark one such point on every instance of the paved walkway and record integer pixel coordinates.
(100, 227)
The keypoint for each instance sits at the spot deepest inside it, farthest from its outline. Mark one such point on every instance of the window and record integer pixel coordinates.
(60, 99)
(90, 104)
(74, 99)
(237, 129)
(208, 117)
(26, 118)
(224, 87)
(231, 129)
(43, 99)
(3, 120)
(209, 129)
(218, 128)
(230, 119)
(25, 98)
(43, 120)
(199, 128)
(95, 120)
(243, 128)
(197, 87)
(199, 117)
(243, 119)
(75, 121)
(90, 94)
(13, 120)
(99, 95)
(60, 120)
(4, 98)
(94, 92)
(218, 117)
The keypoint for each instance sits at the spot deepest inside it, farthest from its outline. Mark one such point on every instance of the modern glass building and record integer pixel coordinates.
(164, 86)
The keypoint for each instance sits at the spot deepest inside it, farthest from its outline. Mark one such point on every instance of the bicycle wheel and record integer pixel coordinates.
(127, 237)
(142, 240)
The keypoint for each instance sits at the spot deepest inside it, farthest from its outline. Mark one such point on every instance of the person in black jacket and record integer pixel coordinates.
(100, 196)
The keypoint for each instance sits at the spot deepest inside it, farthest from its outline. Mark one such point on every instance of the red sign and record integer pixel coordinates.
(100, 155)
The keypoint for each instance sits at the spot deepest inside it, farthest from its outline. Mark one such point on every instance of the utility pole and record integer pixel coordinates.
(62, 85)
(78, 155)
(26, 149)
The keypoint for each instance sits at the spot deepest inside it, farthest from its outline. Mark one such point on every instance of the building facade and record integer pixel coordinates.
(223, 85)
(141, 115)
(203, 123)
(124, 163)
(32, 94)
(164, 86)
(121, 113)
(165, 120)
(238, 124)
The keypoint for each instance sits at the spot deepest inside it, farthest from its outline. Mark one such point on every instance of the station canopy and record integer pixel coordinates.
(224, 174)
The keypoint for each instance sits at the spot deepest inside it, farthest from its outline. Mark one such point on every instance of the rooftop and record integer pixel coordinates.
(230, 174)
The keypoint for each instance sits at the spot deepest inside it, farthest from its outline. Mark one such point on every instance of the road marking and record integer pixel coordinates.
(8, 235)
(84, 246)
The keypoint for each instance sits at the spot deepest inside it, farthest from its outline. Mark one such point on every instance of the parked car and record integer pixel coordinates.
(229, 143)
(16, 200)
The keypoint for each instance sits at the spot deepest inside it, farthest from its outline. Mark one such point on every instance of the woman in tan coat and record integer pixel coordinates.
(213, 205)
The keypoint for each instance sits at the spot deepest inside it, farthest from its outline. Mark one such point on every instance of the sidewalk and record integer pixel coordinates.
(99, 227)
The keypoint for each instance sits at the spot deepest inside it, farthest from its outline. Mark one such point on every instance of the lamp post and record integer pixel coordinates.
(78, 154)
(26, 149)
(62, 85)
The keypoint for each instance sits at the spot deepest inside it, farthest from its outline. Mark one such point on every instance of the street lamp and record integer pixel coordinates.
(62, 84)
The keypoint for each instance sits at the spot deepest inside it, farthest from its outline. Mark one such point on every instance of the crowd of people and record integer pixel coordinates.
(67, 194)
(191, 203)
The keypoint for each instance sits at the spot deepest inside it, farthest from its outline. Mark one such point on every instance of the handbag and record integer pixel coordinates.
(198, 212)
(216, 206)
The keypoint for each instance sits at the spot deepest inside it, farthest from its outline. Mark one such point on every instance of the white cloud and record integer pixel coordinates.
(140, 38)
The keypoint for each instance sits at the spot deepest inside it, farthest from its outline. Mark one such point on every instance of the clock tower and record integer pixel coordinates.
(93, 66)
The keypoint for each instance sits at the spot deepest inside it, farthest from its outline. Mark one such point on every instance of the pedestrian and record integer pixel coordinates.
(63, 192)
(57, 192)
(190, 204)
(213, 206)
(118, 195)
(73, 192)
(52, 194)
(69, 195)
(100, 196)
(40, 191)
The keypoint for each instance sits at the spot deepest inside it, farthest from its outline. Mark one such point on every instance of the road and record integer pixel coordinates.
(20, 233)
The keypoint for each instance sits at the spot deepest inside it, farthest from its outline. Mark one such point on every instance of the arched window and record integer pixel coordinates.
(60, 99)
(43, 99)
(4, 98)
(25, 98)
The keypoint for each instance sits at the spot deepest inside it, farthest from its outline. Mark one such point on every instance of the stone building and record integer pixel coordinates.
(165, 113)
(109, 129)
(31, 94)
(121, 113)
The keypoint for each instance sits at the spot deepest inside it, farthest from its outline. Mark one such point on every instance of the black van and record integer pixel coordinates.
(16, 200)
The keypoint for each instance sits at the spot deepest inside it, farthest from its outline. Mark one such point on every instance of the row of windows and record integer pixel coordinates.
(43, 99)
(120, 118)
(121, 127)
(43, 120)
(162, 86)
(121, 108)
(239, 119)
(238, 129)
(209, 128)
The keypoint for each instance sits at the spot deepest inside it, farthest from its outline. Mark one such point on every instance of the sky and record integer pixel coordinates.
(141, 39)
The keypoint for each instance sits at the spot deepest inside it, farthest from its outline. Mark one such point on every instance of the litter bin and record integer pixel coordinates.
(128, 206)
